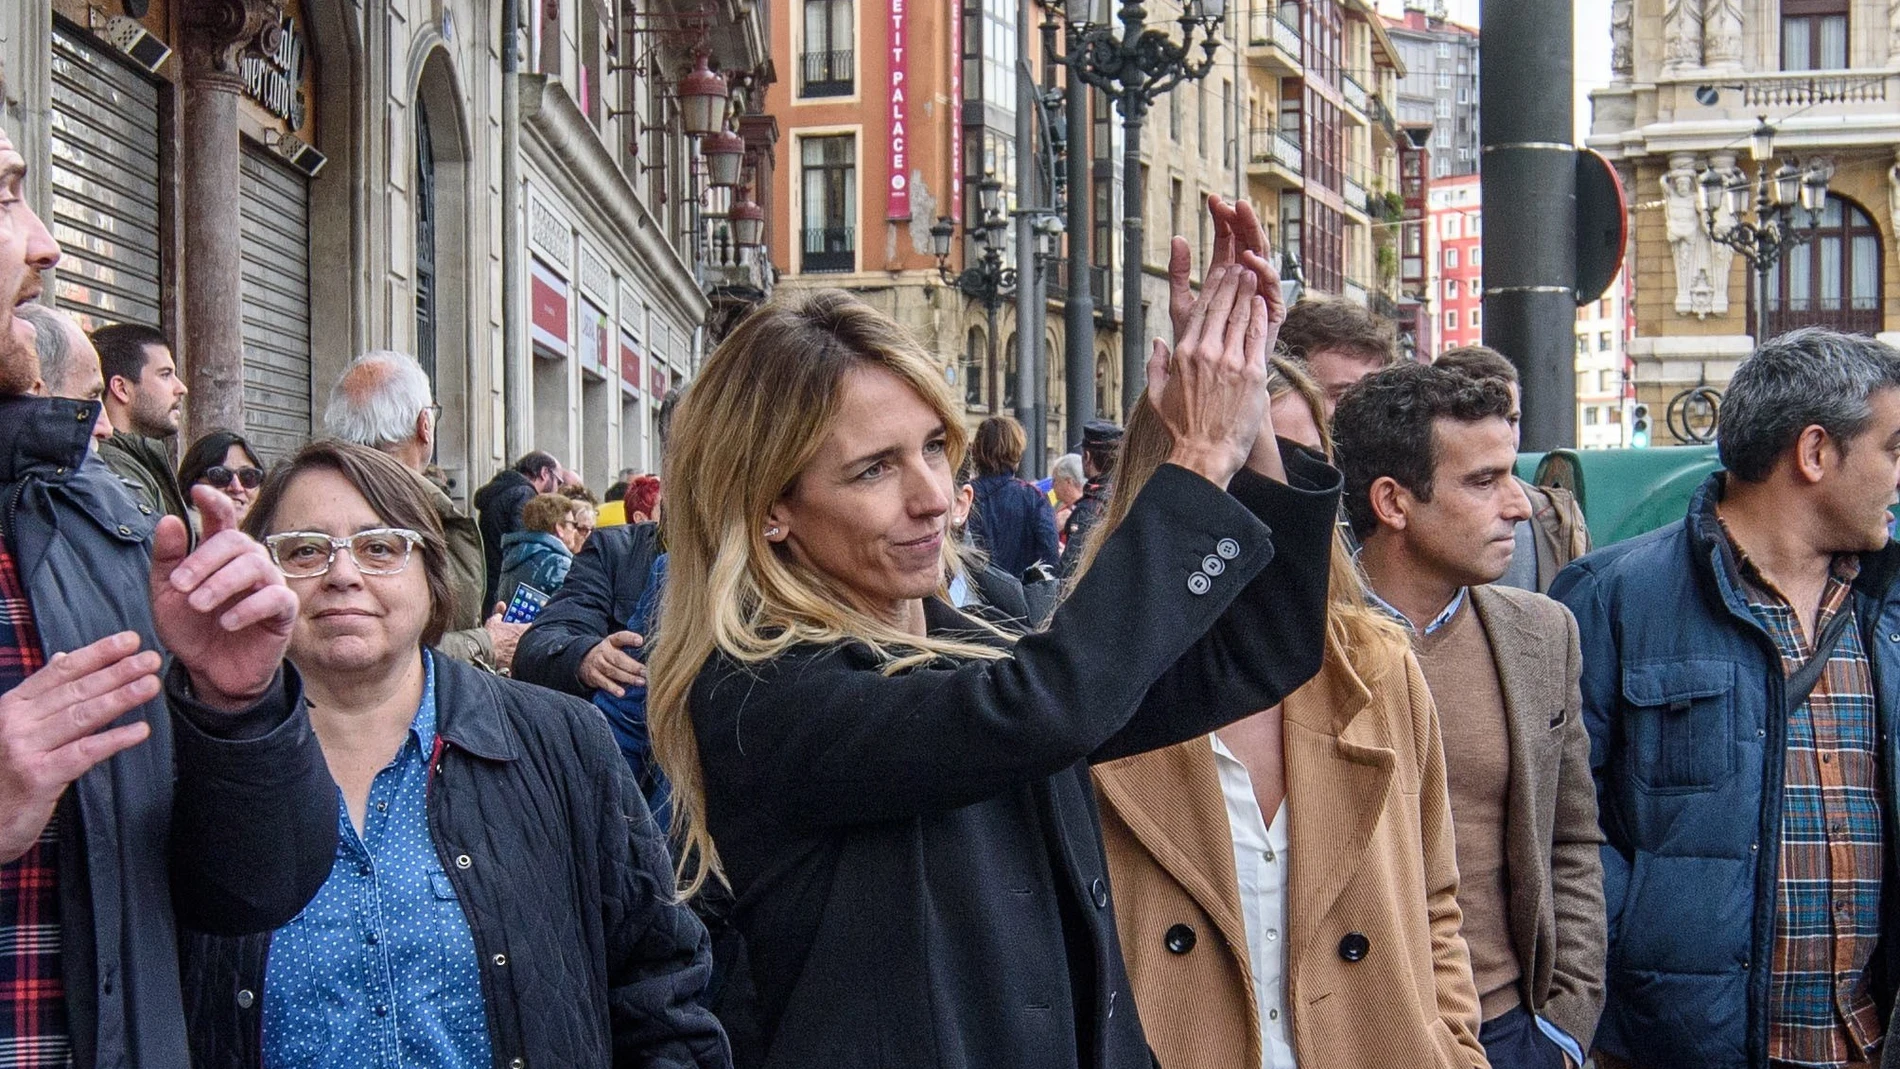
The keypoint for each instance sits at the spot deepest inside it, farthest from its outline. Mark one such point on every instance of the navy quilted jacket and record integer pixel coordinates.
(586, 958)
(1682, 694)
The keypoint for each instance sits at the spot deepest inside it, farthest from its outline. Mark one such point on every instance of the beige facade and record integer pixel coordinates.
(1691, 80)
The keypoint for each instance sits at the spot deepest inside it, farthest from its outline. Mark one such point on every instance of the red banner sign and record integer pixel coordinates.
(956, 116)
(899, 202)
(549, 294)
(629, 363)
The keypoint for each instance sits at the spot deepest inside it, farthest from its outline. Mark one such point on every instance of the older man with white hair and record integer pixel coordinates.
(69, 365)
(383, 400)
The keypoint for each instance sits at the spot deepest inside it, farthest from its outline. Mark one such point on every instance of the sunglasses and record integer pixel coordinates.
(219, 475)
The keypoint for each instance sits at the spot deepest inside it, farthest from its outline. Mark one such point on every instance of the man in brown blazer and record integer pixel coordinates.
(1427, 454)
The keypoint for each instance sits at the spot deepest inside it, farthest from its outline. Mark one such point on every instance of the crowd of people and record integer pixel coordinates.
(1285, 727)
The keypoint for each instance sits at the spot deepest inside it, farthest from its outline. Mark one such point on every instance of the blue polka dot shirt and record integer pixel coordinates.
(380, 971)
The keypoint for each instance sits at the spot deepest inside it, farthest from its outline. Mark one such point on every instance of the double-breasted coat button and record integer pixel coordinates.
(1227, 548)
(246, 999)
(462, 861)
(1354, 947)
(1180, 939)
(1199, 584)
(1099, 891)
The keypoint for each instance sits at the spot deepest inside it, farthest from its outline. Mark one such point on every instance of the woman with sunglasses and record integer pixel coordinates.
(500, 894)
(224, 461)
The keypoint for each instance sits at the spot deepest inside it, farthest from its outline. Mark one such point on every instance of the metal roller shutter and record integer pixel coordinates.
(105, 184)
(276, 305)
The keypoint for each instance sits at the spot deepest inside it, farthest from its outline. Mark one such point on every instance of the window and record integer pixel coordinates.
(1813, 35)
(1451, 257)
(1606, 381)
(1583, 344)
(1442, 109)
(1174, 206)
(1226, 124)
(1448, 226)
(1477, 317)
(1474, 224)
(1589, 415)
(1615, 412)
(1603, 308)
(830, 181)
(1444, 50)
(1833, 281)
(825, 66)
(1451, 319)
(1477, 256)
(999, 57)
(1444, 80)
(1174, 117)
(1603, 341)
(1451, 289)
(1200, 116)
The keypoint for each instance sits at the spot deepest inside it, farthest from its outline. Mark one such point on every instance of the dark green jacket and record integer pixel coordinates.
(147, 470)
(466, 640)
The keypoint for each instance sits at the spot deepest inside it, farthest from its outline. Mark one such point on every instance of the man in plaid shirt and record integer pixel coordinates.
(117, 788)
(1742, 691)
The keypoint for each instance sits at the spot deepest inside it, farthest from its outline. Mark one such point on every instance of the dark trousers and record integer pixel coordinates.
(1512, 1041)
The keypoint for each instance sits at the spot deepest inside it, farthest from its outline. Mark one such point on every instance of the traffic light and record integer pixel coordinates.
(1639, 427)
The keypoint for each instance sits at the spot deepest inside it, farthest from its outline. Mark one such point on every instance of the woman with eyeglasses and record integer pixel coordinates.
(500, 894)
(224, 461)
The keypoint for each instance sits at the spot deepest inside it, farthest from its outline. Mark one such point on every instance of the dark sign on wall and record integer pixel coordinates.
(275, 79)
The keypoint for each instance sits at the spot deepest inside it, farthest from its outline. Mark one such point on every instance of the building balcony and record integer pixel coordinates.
(1357, 100)
(1058, 268)
(1273, 43)
(828, 249)
(826, 74)
(1355, 197)
(1276, 158)
(1382, 118)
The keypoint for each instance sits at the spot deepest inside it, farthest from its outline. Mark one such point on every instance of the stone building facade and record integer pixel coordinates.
(1691, 80)
(299, 181)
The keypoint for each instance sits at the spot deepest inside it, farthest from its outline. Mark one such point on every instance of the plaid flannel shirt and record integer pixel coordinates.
(33, 1031)
(1821, 1008)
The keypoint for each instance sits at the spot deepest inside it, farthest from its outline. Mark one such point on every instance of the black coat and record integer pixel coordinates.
(917, 858)
(1083, 517)
(498, 513)
(246, 806)
(602, 589)
(586, 958)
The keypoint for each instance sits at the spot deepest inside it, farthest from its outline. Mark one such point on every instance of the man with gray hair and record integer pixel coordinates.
(383, 400)
(1741, 687)
(69, 365)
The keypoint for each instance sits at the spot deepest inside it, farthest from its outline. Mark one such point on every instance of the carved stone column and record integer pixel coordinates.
(1682, 35)
(215, 34)
(1722, 33)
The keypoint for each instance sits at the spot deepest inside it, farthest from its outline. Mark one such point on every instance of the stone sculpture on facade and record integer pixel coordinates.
(1701, 283)
(1622, 56)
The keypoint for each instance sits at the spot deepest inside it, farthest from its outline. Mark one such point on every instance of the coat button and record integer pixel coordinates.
(246, 999)
(145, 510)
(1180, 939)
(517, 1063)
(1354, 947)
(1199, 584)
(1213, 565)
(124, 530)
(1227, 548)
(1099, 891)
(462, 861)
(500, 959)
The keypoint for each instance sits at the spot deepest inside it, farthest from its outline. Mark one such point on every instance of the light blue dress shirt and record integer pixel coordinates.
(380, 971)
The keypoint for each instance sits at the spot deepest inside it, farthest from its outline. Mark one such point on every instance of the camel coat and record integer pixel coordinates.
(1371, 844)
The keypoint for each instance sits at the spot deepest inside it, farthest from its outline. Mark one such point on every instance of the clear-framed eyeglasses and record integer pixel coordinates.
(307, 554)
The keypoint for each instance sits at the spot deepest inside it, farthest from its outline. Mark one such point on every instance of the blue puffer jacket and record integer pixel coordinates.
(1683, 695)
(533, 558)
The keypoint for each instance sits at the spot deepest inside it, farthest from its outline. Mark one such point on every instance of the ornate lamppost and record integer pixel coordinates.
(986, 281)
(1135, 68)
(1723, 195)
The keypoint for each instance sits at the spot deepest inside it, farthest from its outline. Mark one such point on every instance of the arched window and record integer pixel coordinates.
(973, 372)
(1832, 281)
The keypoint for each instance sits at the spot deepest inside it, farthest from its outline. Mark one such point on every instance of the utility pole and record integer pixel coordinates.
(1028, 323)
(1529, 189)
(1078, 311)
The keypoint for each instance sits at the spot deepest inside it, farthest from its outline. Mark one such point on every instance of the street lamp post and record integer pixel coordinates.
(1722, 193)
(987, 281)
(1135, 69)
